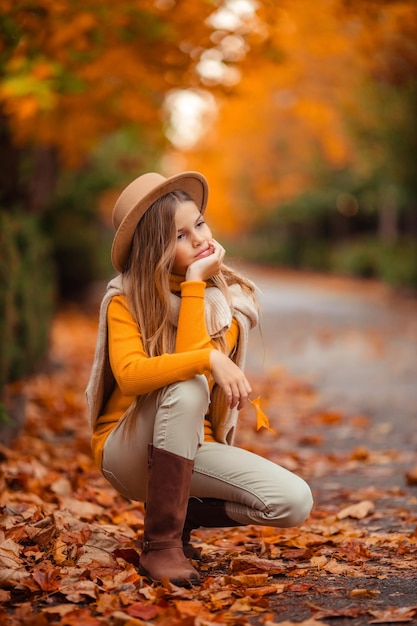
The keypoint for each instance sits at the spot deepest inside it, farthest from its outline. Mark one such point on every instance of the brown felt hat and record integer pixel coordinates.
(139, 196)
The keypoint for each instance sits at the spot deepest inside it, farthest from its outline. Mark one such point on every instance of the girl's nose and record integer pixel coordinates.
(197, 239)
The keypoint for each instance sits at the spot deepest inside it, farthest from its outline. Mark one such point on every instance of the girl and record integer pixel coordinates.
(167, 380)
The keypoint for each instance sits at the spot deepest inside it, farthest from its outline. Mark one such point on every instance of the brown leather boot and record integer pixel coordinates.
(206, 512)
(162, 555)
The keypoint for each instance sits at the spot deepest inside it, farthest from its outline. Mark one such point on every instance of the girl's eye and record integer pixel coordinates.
(180, 236)
(201, 223)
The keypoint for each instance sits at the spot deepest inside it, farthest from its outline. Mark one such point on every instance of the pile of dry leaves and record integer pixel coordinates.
(68, 541)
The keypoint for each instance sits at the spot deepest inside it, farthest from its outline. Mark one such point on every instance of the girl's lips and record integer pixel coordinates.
(205, 252)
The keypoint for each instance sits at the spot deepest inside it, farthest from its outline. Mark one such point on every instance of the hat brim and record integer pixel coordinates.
(193, 183)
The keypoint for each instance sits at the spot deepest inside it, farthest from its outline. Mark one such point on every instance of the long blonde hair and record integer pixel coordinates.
(147, 275)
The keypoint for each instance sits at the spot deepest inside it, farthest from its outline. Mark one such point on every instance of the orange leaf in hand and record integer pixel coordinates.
(262, 420)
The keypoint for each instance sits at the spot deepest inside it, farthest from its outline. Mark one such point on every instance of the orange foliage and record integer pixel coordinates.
(71, 75)
(288, 114)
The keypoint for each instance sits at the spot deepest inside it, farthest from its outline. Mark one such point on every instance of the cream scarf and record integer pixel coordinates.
(218, 314)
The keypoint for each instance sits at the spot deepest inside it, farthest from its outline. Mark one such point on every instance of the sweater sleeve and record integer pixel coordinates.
(192, 331)
(135, 372)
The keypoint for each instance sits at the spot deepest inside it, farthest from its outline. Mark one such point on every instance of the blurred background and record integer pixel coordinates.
(301, 115)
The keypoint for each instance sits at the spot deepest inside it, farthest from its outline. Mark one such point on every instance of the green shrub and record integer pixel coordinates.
(398, 265)
(394, 263)
(357, 258)
(26, 295)
(79, 249)
(282, 251)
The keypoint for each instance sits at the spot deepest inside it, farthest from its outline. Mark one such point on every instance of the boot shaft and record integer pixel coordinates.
(169, 477)
(162, 557)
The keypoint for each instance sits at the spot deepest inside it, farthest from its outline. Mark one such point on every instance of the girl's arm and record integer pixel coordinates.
(192, 331)
(192, 335)
(135, 372)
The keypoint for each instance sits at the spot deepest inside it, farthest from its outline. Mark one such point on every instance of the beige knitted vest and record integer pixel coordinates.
(218, 314)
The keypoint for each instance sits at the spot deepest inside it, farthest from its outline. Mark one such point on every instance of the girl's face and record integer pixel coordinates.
(193, 237)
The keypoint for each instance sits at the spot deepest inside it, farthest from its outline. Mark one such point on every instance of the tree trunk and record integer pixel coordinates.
(10, 189)
(388, 216)
(35, 194)
(42, 184)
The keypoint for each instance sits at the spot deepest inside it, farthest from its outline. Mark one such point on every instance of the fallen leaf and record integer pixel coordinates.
(361, 453)
(257, 592)
(393, 615)
(323, 612)
(47, 577)
(59, 609)
(10, 554)
(318, 561)
(334, 567)
(364, 593)
(142, 610)
(307, 622)
(13, 577)
(329, 417)
(127, 554)
(188, 608)
(77, 592)
(251, 580)
(358, 511)
(252, 564)
(411, 476)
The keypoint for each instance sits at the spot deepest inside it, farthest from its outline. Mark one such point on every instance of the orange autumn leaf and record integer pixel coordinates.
(253, 565)
(142, 610)
(364, 593)
(47, 577)
(262, 420)
(411, 476)
(188, 608)
(308, 622)
(259, 592)
(251, 580)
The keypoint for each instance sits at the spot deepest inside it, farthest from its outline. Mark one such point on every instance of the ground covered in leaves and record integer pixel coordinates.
(68, 541)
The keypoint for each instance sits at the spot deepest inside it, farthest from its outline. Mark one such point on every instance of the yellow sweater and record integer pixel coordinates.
(136, 373)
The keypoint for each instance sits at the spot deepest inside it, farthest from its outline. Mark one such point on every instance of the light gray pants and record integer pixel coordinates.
(256, 490)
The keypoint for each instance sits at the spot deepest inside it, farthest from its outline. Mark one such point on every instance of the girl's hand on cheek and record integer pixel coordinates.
(206, 266)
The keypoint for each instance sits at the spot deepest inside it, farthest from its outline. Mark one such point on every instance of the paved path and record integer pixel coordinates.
(356, 341)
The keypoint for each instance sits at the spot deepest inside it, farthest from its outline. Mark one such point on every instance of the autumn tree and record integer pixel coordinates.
(329, 109)
(382, 118)
(72, 72)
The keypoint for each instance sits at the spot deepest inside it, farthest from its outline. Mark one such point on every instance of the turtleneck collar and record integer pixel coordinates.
(175, 281)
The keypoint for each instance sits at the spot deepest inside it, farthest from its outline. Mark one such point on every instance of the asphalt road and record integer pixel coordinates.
(355, 341)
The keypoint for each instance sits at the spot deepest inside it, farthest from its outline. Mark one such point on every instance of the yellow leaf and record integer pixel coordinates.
(262, 420)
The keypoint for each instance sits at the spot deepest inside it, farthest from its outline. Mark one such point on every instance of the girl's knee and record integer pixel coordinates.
(300, 504)
(192, 395)
(179, 422)
(295, 508)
